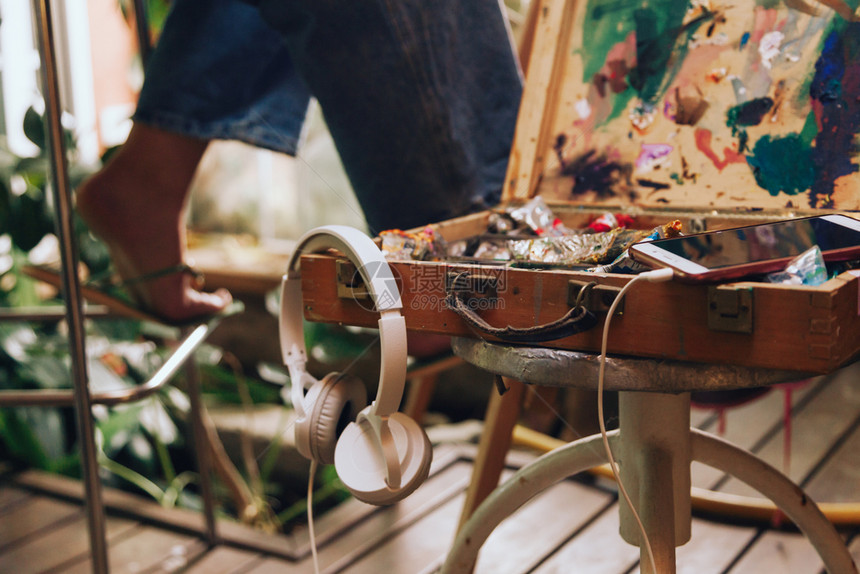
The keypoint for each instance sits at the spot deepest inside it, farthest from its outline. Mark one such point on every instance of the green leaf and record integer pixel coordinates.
(20, 441)
(27, 223)
(5, 207)
(119, 426)
(34, 128)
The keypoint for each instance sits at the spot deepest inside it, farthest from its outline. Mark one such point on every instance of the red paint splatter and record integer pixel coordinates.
(703, 143)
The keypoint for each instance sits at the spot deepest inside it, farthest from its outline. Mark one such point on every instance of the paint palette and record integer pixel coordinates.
(706, 104)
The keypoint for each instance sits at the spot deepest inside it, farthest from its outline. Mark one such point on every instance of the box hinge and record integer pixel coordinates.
(350, 285)
(730, 309)
(598, 299)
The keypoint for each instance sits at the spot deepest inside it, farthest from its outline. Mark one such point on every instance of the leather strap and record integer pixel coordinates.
(577, 320)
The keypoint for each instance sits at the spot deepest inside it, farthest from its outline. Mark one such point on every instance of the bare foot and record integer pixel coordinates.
(136, 206)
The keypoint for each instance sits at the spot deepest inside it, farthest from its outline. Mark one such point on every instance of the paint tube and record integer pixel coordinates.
(609, 221)
(425, 245)
(539, 218)
(624, 263)
(587, 248)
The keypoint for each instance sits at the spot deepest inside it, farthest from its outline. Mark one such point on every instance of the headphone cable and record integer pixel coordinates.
(311, 533)
(653, 276)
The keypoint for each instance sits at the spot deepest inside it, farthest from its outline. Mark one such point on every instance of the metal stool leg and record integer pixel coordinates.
(71, 287)
(587, 453)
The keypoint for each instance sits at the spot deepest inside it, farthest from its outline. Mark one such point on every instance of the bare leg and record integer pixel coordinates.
(136, 205)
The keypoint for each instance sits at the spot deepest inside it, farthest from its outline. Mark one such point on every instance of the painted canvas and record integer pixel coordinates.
(710, 104)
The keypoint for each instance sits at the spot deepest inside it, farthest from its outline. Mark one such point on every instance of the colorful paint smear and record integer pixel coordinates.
(759, 100)
(661, 39)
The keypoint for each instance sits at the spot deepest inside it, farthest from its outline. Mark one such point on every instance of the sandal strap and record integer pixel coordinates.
(158, 274)
(106, 279)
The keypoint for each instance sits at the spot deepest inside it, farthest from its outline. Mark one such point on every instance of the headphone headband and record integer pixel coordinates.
(379, 279)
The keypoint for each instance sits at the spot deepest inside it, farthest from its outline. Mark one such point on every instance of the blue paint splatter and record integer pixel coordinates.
(744, 39)
(836, 88)
(782, 164)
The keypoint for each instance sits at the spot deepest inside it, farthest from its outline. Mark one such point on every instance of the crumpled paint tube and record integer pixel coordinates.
(624, 263)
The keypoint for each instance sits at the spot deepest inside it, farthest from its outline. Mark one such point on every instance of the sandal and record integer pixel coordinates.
(118, 295)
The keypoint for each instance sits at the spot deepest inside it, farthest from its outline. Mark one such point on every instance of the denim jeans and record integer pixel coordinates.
(420, 96)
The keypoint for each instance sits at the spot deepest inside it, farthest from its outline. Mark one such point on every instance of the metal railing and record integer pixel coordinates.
(74, 314)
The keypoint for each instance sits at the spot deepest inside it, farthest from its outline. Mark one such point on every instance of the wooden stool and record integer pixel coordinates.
(654, 444)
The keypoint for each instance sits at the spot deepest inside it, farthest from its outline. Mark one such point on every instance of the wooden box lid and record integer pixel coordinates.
(702, 104)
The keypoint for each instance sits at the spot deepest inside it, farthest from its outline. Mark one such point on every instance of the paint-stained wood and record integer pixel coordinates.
(716, 105)
(746, 425)
(531, 147)
(828, 418)
(727, 110)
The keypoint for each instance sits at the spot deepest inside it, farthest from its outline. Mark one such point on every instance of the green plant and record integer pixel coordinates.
(140, 445)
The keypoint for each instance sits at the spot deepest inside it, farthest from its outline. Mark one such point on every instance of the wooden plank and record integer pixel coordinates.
(712, 547)
(35, 515)
(838, 479)
(365, 537)
(147, 549)
(831, 413)
(62, 546)
(11, 496)
(598, 549)
(539, 100)
(180, 519)
(223, 560)
(854, 547)
(521, 541)
(416, 549)
(780, 552)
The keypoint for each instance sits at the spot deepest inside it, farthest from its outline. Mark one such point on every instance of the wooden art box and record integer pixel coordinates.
(716, 113)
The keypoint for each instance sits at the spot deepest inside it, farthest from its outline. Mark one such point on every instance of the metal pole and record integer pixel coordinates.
(71, 287)
(202, 449)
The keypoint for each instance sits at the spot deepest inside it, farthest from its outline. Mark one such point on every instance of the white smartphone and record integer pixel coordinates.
(752, 250)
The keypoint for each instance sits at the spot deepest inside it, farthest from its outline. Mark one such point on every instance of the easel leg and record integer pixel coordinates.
(502, 413)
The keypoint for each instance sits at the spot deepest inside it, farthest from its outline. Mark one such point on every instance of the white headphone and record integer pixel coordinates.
(384, 455)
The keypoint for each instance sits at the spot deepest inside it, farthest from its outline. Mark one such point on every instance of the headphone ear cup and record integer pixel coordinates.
(339, 400)
(361, 466)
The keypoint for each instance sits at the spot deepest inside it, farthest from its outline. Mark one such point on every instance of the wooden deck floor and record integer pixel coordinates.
(572, 527)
